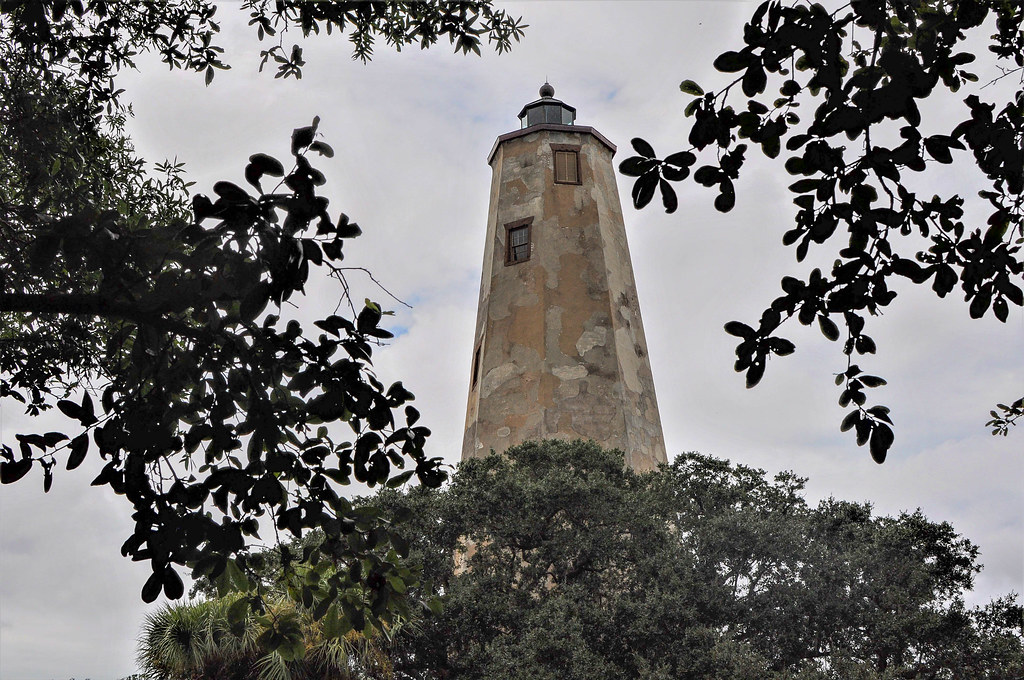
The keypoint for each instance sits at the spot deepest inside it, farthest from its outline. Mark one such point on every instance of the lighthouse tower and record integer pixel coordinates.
(560, 349)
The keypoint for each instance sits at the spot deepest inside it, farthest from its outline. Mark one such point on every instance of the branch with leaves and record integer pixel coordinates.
(144, 320)
(214, 413)
(865, 67)
(94, 39)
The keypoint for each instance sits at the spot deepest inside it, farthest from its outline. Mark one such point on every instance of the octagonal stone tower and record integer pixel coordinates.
(560, 348)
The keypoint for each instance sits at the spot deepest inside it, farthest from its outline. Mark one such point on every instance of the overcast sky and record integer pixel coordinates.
(412, 132)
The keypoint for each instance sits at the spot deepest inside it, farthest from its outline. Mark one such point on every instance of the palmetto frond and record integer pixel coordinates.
(194, 641)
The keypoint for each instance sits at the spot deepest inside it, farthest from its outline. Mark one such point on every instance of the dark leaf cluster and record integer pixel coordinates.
(859, 160)
(213, 414)
(92, 40)
(146, 319)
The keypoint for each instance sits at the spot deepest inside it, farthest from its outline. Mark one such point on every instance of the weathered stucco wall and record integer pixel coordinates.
(559, 341)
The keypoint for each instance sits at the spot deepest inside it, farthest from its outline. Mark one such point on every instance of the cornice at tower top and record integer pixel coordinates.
(580, 129)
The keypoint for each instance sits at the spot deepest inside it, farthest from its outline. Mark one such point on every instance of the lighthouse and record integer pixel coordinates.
(559, 350)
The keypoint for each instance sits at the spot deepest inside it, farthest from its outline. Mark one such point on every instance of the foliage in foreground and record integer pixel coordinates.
(199, 641)
(93, 40)
(212, 413)
(145, 320)
(556, 562)
(866, 163)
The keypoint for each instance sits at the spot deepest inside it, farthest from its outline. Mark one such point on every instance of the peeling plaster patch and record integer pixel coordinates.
(597, 287)
(504, 431)
(527, 326)
(577, 244)
(524, 356)
(546, 390)
(552, 420)
(518, 186)
(562, 266)
(496, 376)
(602, 424)
(568, 389)
(515, 420)
(588, 340)
(578, 204)
(570, 372)
(630, 364)
(554, 330)
(498, 312)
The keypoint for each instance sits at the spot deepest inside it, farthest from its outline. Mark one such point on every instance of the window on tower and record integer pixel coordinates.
(567, 166)
(517, 241)
(518, 244)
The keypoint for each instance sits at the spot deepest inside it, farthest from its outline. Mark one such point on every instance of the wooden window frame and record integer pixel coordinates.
(526, 222)
(571, 148)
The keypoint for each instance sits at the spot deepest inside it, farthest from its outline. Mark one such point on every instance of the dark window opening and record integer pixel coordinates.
(567, 168)
(476, 366)
(518, 244)
(518, 241)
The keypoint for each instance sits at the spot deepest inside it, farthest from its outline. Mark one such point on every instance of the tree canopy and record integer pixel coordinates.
(142, 316)
(864, 162)
(93, 40)
(556, 561)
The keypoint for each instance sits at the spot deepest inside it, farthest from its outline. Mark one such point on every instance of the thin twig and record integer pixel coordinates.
(379, 284)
